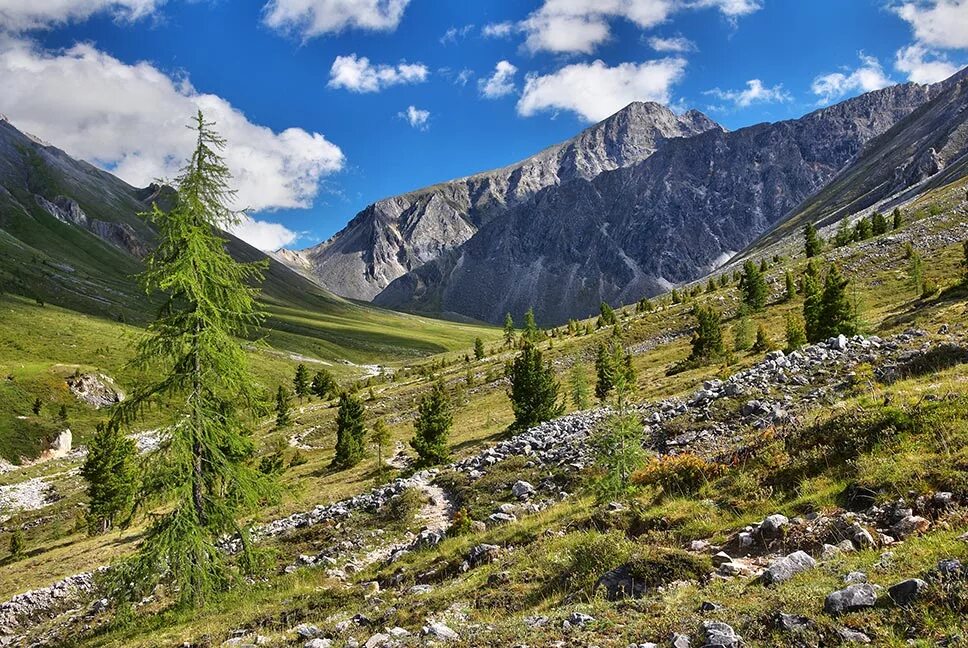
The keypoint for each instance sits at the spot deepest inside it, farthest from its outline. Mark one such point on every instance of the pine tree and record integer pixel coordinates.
(791, 286)
(109, 470)
(812, 243)
(579, 388)
(723, 280)
(16, 544)
(62, 415)
(763, 342)
(710, 286)
(796, 335)
(753, 287)
(283, 405)
(349, 431)
(35, 408)
(676, 297)
(530, 332)
(202, 470)
(837, 315)
(606, 315)
(863, 229)
(645, 305)
(323, 385)
(479, 352)
(604, 372)
(764, 265)
(878, 224)
(509, 334)
(743, 333)
(300, 383)
(534, 390)
(434, 418)
(380, 437)
(916, 273)
(844, 235)
(897, 218)
(812, 297)
(707, 341)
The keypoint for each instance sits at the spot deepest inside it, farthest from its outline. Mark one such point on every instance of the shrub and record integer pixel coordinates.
(403, 508)
(677, 474)
(462, 523)
(593, 554)
(659, 566)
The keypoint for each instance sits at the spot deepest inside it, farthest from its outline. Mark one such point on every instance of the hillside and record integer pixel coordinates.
(849, 451)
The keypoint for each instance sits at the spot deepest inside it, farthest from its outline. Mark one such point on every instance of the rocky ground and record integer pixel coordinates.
(718, 417)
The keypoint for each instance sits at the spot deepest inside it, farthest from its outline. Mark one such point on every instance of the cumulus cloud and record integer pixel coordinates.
(263, 235)
(594, 91)
(922, 65)
(416, 117)
(309, 18)
(357, 74)
(755, 92)
(672, 44)
(937, 23)
(580, 26)
(21, 15)
(869, 75)
(130, 120)
(499, 84)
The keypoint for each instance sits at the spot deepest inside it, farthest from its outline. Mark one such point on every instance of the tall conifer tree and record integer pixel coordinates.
(201, 474)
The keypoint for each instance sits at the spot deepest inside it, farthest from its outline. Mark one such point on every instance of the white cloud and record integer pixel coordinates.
(308, 18)
(500, 83)
(922, 65)
(263, 235)
(755, 92)
(130, 119)
(498, 30)
(580, 26)
(937, 23)
(20, 15)
(595, 91)
(454, 34)
(357, 74)
(416, 117)
(672, 44)
(869, 75)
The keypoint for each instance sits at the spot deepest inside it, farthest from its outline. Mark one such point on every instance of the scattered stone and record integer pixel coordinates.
(773, 525)
(852, 597)
(855, 577)
(440, 631)
(522, 489)
(720, 558)
(853, 636)
(679, 640)
(908, 591)
(792, 623)
(787, 567)
(721, 635)
(482, 554)
(579, 619)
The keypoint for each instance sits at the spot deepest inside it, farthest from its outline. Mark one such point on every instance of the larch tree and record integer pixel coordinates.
(837, 315)
(509, 333)
(707, 340)
(380, 437)
(530, 332)
(110, 472)
(283, 407)
(323, 385)
(349, 431)
(812, 243)
(300, 383)
(431, 429)
(753, 286)
(534, 390)
(479, 352)
(812, 298)
(201, 477)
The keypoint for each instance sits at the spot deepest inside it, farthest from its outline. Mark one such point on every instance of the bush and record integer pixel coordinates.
(677, 474)
(403, 508)
(659, 566)
(462, 523)
(592, 555)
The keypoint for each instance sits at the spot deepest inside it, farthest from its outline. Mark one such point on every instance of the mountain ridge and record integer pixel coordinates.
(397, 234)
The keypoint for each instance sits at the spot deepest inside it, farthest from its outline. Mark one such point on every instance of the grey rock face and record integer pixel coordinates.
(853, 597)
(667, 219)
(396, 235)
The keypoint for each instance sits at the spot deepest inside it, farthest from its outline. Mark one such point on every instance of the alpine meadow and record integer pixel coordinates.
(686, 363)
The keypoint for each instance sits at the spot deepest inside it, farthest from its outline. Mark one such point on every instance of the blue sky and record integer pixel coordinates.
(332, 104)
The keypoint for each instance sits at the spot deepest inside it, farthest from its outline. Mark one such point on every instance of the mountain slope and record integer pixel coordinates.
(923, 151)
(70, 234)
(393, 236)
(667, 219)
